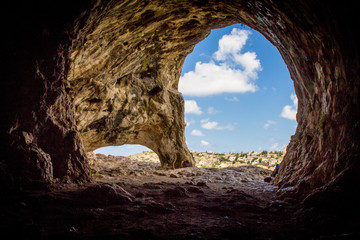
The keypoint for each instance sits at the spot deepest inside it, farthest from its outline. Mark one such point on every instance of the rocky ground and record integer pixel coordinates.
(113, 169)
(265, 159)
(131, 199)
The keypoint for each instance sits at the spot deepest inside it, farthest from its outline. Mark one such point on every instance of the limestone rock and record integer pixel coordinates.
(81, 75)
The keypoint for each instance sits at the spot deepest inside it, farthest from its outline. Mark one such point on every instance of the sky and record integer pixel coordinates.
(238, 95)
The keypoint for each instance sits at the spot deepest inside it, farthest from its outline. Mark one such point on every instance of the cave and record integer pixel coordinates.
(83, 75)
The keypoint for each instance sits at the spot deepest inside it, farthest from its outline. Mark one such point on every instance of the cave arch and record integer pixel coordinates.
(123, 150)
(56, 79)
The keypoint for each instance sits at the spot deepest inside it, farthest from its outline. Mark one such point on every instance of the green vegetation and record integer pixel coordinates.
(215, 164)
(244, 155)
(321, 120)
(146, 64)
(223, 159)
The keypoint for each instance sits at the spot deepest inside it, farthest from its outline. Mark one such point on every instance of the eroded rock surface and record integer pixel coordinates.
(106, 73)
(124, 77)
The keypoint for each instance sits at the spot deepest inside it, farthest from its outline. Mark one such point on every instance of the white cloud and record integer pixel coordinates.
(205, 123)
(191, 107)
(288, 111)
(294, 99)
(212, 110)
(235, 73)
(209, 125)
(231, 44)
(277, 147)
(233, 99)
(274, 147)
(269, 123)
(196, 132)
(210, 78)
(229, 127)
(204, 143)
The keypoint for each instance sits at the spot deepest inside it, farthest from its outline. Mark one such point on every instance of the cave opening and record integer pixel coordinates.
(105, 73)
(123, 150)
(234, 85)
(258, 57)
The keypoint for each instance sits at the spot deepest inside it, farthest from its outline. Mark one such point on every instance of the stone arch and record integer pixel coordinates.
(124, 150)
(113, 79)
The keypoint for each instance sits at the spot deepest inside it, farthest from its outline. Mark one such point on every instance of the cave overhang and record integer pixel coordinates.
(112, 78)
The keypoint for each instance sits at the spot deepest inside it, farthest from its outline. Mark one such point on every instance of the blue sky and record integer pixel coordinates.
(238, 95)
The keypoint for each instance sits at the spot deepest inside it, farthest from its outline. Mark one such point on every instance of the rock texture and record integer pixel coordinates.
(125, 78)
(155, 206)
(40, 142)
(107, 169)
(109, 71)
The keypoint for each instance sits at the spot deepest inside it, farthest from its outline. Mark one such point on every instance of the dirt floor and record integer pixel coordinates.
(138, 200)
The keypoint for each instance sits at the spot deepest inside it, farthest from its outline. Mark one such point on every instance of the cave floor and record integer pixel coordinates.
(142, 201)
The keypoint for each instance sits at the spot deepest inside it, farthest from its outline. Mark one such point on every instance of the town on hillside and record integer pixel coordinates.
(264, 159)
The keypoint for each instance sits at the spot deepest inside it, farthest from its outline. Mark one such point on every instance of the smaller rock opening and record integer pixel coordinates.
(123, 150)
(116, 163)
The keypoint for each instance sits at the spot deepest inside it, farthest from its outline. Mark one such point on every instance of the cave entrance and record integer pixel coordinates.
(112, 157)
(124, 150)
(117, 163)
(113, 79)
(255, 135)
(125, 83)
(240, 104)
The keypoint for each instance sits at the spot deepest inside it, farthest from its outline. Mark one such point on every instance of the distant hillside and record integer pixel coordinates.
(263, 159)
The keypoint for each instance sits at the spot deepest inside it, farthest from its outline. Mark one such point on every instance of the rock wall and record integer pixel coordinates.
(129, 68)
(116, 83)
(125, 76)
(39, 137)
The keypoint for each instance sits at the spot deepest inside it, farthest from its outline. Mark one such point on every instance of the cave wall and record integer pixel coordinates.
(40, 143)
(125, 76)
(112, 78)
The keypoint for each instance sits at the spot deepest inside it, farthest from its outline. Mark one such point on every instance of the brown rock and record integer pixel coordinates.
(176, 192)
(105, 194)
(85, 75)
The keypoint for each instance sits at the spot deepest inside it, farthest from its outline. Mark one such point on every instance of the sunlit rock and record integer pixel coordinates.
(82, 76)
